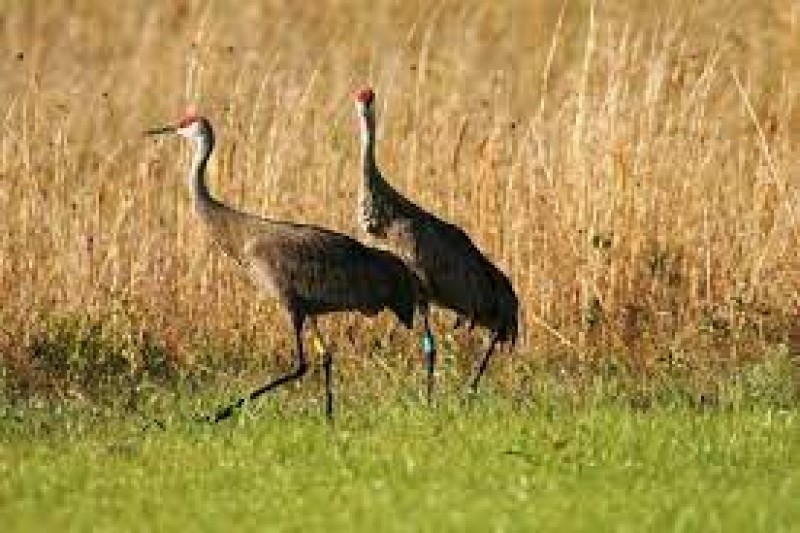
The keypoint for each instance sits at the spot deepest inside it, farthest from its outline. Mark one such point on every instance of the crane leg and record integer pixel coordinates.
(481, 368)
(327, 368)
(327, 365)
(300, 368)
(429, 348)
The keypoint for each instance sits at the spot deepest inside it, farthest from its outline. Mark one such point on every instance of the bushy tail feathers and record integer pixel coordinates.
(403, 299)
(507, 311)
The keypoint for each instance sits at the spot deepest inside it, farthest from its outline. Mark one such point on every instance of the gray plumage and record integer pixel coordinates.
(312, 270)
(454, 273)
(309, 270)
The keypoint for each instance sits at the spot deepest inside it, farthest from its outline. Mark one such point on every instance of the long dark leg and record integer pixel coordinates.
(327, 368)
(299, 370)
(481, 368)
(327, 365)
(429, 348)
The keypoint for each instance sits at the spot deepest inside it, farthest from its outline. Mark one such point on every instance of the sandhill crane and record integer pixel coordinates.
(309, 270)
(453, 272)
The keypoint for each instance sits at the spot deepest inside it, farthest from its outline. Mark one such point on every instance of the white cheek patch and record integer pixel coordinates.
(191, 131)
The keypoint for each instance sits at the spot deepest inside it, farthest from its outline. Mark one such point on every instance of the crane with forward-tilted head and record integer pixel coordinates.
(310, 270)
(454, 274)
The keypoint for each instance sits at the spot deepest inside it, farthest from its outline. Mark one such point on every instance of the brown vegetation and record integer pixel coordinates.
(632, 165)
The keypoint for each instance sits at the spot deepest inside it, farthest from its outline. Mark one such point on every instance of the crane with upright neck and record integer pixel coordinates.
(309, 270)
(454, 273)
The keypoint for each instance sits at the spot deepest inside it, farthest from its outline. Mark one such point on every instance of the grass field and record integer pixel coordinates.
(609, 453)
(632, 165)
(492, 467)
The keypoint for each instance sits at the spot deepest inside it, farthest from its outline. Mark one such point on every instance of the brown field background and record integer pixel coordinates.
(632, 165)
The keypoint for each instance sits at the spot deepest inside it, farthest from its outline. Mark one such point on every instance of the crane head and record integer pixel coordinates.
(190, 125)
(365, 97)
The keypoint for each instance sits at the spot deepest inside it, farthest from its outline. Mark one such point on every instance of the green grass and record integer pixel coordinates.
(491, 466)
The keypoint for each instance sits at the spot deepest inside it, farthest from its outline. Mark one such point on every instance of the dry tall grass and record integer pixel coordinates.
(632, 165)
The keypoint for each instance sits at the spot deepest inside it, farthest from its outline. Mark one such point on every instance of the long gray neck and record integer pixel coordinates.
(368, 147)
(204, 145)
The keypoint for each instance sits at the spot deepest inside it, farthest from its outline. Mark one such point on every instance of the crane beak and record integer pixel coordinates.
(161, 130)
